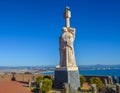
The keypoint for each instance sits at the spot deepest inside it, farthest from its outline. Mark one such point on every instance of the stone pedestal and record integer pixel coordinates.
(66, 88)
(29, 83)
(94, 88)
(106, 82)
(118, 88)
(70, 76)
(110, 80)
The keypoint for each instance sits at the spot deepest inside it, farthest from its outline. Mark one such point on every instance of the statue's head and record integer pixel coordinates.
(67, 13)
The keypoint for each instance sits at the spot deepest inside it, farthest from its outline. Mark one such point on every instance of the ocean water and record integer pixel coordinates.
(108, 72)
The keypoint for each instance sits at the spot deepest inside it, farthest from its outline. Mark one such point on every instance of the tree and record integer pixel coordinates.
(82, 80)
(46, 85)
(49, 77)
(38, 80)
(97, 81)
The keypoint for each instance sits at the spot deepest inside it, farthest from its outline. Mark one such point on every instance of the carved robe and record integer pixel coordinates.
(67, 57)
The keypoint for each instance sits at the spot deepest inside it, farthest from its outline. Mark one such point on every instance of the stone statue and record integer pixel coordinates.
(67, 68)
(67, 58)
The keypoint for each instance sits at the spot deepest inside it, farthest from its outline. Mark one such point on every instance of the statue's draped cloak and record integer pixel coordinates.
(67, 58)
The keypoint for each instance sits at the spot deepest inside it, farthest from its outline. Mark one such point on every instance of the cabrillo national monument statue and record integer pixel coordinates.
(67, 70)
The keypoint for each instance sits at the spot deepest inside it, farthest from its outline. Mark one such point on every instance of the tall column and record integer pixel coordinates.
(67, 16)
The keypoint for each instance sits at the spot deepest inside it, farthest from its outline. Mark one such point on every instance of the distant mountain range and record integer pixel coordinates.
(52, 67)
(99, 66)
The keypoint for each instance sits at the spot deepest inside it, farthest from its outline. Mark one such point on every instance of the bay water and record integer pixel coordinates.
(106, 72)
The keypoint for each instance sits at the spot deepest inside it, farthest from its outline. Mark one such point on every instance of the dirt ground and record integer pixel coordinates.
(18, 86)
(8, 86)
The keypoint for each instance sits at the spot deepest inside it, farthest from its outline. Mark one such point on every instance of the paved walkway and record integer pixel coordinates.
(7, 86)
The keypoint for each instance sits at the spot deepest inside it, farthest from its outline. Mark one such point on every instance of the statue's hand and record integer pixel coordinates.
(71, 30)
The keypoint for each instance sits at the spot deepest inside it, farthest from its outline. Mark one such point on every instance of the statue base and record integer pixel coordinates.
(67, 75)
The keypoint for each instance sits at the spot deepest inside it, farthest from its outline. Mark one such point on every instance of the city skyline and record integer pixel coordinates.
(30, 30)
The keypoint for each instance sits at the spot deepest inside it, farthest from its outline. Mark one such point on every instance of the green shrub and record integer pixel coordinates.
(38, 80)
(46, 85)
(82, 80)
(97, 81)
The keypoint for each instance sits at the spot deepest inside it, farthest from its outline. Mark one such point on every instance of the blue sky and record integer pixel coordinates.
(30, 30)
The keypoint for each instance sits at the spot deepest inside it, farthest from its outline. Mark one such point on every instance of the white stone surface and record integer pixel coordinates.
(67, 68)
(67, 56)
